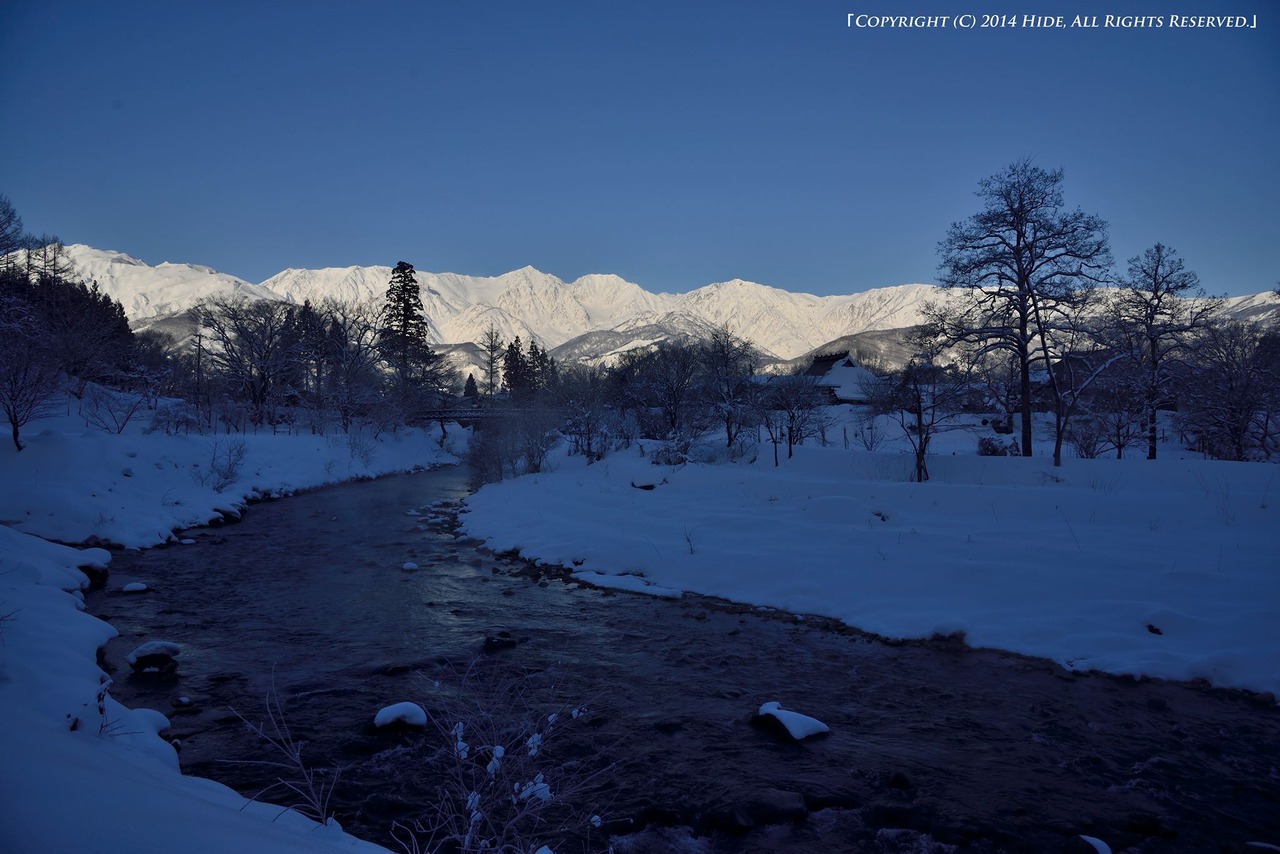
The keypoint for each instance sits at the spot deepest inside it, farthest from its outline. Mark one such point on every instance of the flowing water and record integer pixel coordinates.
(933, 747)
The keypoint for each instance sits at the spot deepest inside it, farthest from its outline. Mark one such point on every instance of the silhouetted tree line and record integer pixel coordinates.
(249, 364)
(55, 330)
(1046, 323)
(263, 363)
(672, 396)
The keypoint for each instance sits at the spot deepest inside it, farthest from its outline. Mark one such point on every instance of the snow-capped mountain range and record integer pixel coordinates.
(525, 302)
(590, 317)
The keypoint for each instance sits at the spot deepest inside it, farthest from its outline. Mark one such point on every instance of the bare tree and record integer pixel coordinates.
(669, 375)
(1158, 311)
(583, 393)
(995, 379)
(353, 356)
(152, 365)
(492, 351)
(13, 236)
(925, 397)
(729, 365)
(28, 369)
(792, 411)
(1023, 260)
(1232, 400)
(627, 394)
(1117, 407)
(1076, 363)
(249, 346)
(46, 257)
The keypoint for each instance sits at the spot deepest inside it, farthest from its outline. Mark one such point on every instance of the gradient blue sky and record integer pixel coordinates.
(673, 143)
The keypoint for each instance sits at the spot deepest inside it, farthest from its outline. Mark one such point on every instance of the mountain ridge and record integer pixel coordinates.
(594, 317)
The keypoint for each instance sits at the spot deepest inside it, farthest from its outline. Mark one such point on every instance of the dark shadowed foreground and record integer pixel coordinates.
(933, 747)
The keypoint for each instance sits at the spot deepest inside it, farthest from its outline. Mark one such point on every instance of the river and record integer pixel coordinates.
(309, 601)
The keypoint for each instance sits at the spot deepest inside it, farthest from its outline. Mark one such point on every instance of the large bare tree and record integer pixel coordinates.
(250, 346)
(1024, 260)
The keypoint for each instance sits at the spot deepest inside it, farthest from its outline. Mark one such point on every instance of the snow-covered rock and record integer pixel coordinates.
(798, 726)
(134, 587)
(155, 657)
(405, 714)
(168, 648)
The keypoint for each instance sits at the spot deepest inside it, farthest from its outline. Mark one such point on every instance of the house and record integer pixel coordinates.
(843, 378)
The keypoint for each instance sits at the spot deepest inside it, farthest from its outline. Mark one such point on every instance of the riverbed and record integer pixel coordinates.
(343, 600)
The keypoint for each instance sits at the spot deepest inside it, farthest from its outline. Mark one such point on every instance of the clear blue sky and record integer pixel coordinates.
(673, 143)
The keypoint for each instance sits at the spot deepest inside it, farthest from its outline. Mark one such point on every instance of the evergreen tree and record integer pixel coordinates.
(471, 391)
(404, 334)
(421, 378)
(539, 368)
(515, 371)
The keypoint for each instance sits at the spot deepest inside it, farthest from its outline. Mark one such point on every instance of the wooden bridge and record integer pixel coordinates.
(465, 413)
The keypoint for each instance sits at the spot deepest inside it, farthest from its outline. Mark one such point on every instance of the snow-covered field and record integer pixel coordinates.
(82, 773)
(1164, 569)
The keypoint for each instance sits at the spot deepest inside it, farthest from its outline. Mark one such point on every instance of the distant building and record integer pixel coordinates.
(843, 378)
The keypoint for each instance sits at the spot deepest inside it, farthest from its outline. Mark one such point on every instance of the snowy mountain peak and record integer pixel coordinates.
(147, 292)
(736, 284)
(111, 257)
(732, 286)
(528, 275)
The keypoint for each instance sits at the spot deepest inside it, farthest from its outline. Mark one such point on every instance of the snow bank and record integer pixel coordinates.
(83, 773)
(1163, 569)
(74, 484)
(631, 583)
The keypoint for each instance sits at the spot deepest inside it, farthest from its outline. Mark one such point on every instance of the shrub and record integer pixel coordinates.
(225, 459)
(108, 410)
(992, 447)
(311, 788)
(174, 417)
(1087, 439)
(503, 784)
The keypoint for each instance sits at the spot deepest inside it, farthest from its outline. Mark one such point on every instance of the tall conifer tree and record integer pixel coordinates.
(404, 333)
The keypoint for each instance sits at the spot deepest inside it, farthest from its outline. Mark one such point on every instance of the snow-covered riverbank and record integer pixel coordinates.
(1163, 569)
(85, 774)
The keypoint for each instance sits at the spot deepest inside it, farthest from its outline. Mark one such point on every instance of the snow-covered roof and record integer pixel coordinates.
(848, 380)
